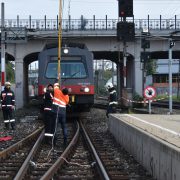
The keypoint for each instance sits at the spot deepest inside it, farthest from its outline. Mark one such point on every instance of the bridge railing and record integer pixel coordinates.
(90, 24)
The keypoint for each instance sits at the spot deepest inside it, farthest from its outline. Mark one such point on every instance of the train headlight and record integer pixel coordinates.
(86, 89)
(66, 50)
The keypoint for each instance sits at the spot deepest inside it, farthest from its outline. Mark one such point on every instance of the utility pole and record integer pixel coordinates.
(178, 79)
(171, 44)
(59, 42)
(3, 64)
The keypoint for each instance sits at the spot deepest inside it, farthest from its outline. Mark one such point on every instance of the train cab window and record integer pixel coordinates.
(68, 70)
(73, 70)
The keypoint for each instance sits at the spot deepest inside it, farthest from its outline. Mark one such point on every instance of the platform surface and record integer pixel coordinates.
(165, 127)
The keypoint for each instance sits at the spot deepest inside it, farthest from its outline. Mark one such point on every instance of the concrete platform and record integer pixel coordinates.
(154, 141)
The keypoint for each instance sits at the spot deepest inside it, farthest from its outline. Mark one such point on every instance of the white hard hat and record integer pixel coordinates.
(109, 85)
(7, 83)
(56, 84)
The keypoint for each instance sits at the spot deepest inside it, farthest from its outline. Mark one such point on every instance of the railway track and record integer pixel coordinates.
(117, 162)
(88, 156)
(12, 158)
(31, 158)
(43, 156)
(23, 129)
(78, 161)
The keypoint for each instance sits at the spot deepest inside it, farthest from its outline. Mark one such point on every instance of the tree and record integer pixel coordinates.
(151, 66)
(10, 74)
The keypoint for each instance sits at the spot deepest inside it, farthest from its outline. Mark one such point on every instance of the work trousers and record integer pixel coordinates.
(111, 109)
(62, 120)
(8, 115)
(49, 122)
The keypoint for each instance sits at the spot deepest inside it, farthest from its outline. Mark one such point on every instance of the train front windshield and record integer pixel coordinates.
(68, 70)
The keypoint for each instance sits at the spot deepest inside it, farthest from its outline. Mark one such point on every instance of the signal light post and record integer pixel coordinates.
(125, 33)
(145, 56)
(125, 30)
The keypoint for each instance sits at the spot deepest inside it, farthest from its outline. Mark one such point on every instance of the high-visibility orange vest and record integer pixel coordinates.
(60, 99)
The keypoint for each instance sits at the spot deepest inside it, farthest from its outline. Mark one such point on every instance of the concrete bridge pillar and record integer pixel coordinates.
(19, 80)
(138, 79)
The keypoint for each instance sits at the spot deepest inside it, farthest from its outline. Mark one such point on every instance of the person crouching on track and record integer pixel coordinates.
(8, 106)
(112, 99)
(48, 115)
(60, 100)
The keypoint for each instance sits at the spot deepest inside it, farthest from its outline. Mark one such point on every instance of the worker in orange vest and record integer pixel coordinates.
(60, 100)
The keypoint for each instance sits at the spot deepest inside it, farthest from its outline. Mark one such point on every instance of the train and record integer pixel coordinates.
(76, 69)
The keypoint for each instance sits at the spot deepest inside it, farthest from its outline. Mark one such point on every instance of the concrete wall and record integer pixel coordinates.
(161, 159)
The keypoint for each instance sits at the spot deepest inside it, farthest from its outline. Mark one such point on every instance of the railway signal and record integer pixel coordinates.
(145, 44)
(125, 8)
(145, 56)
(125, 31)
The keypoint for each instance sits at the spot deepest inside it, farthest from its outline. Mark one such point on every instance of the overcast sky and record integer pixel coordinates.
(38, 8)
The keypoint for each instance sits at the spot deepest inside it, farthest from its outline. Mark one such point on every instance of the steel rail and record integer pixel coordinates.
(18, 145)
(54, 168)
(22, 171)
(100, 165)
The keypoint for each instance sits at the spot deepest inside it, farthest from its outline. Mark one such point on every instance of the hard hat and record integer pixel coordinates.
(7, 83)
(109, 85)
(56, 84)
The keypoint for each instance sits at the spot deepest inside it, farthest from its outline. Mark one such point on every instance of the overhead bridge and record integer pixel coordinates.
(25, 38)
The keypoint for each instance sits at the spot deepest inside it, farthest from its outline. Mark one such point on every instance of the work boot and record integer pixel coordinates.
(12, 126)
(6, 126)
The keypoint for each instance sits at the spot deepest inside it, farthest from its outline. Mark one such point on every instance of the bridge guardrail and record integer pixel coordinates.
(90, 24)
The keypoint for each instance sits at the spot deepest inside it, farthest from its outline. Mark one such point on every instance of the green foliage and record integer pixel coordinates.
(10, 72)
(162, 96)
(137, 97)
(151, 66)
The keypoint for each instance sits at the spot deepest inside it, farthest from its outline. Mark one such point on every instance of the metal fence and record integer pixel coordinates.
(90, 24)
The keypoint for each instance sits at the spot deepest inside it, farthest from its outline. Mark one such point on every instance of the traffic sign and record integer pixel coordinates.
(149, 92)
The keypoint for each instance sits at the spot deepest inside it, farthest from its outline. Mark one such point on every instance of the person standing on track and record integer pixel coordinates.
(49, 121)
(8, 106)
(112, 99)
(60, 100)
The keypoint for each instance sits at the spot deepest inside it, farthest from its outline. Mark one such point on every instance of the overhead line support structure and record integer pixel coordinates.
(59, 42)
(3, 61)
